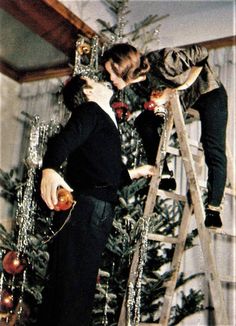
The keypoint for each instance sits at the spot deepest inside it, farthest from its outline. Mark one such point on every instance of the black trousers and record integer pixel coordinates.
(149, 128)
(213, 110)
(74, 263)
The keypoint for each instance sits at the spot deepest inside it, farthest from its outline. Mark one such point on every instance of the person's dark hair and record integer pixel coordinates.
(73, 93)
(131, 63)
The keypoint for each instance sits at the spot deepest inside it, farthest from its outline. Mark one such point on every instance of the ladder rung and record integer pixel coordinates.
(228, 279)
(149, 324)
(162, 238)
(173, 150)
(221, 232)
(228, 191)
(170, 194)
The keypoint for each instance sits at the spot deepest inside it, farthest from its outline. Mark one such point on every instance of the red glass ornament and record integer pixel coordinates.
(120, 104)
(121, 110)
(150, 105)
(65, 200)
(6, 301)
(13, 263)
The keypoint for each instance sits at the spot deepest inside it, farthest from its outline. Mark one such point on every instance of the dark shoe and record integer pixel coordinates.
(167, 184)
(212, 219)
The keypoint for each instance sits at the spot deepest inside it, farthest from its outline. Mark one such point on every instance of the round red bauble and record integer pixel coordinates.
(65, 200)
(13, 263)
(150, 105)
(6, 301)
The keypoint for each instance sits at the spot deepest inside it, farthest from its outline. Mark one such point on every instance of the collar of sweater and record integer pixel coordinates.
(108, 109)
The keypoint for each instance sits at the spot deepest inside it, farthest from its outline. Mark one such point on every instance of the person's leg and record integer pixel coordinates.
(76, 262)
(149, 127)
(213, 114)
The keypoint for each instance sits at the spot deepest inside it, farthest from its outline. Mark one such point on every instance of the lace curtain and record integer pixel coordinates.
(42, 98)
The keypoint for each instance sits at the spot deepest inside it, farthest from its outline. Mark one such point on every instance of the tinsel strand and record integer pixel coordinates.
(134, 290)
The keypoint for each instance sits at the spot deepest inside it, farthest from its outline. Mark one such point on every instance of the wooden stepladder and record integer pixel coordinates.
(196, 206)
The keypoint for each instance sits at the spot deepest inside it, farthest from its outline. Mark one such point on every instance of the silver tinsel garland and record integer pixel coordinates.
(27, 203)
(134, 289)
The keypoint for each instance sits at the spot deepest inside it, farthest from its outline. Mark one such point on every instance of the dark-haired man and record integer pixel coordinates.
(90, 143)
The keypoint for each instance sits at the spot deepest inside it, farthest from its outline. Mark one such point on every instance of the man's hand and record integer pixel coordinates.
(142, 171)
(51, 180)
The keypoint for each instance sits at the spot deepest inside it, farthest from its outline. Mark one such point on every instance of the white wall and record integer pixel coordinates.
(188, 21)
(11, 134)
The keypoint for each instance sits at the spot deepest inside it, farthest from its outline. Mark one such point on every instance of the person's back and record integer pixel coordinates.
(91, 143)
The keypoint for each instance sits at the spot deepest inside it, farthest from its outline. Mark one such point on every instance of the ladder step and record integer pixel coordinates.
(228, 278)
(149, 324)
(221, 232)
(228, 191)
(175, 151)
(162, 238)
(171, 195)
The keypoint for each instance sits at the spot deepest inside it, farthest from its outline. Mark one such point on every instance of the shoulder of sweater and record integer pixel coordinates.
(86, 108)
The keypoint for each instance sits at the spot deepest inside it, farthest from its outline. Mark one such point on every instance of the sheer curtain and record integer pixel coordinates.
(42, 99)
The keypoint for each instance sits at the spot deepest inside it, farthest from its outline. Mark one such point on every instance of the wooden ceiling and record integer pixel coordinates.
(54, 24)
(38, 39)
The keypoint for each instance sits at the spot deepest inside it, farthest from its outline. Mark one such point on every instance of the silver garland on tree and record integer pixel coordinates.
(26, 203)
(26, 211)
(134, 289)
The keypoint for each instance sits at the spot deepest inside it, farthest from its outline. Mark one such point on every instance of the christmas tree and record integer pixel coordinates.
(24, 255)
(145, 298)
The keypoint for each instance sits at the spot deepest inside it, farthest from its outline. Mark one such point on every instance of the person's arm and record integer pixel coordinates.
(128, 175)
(59, 147)
(145, 171)
(50, 181)
(175, 64)
(166, 94)
(76, 131)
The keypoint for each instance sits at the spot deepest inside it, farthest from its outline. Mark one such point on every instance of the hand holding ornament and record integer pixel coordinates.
(50, 183)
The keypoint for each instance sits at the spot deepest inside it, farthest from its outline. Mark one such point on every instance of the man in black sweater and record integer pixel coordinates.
(90, 143)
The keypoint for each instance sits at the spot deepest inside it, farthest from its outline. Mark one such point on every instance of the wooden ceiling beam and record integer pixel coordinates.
(219, 43)
(22, 76)
(51, 20)
(51, 73)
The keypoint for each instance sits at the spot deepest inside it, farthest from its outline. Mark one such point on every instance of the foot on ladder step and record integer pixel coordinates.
(167, 182)
(213, 219)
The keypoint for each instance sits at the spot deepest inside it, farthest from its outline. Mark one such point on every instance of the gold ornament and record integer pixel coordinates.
(84, 48)
(89, 48)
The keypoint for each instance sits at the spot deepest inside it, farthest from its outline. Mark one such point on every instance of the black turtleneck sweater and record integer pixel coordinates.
(90, 142)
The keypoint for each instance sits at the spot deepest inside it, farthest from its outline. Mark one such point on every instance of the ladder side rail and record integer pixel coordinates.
(155, 180)
(231, 170)
(148, 209)
(175, 265)
(204, 236)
